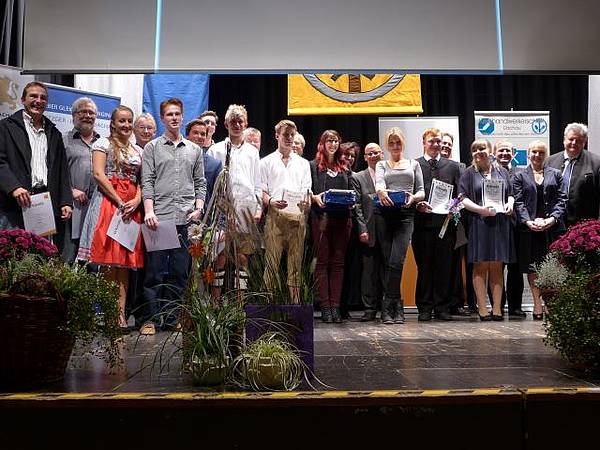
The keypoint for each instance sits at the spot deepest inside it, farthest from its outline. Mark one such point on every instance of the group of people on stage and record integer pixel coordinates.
(153, 179)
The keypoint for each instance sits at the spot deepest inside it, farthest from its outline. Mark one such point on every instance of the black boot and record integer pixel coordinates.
(336, 315)
(326, 314)
(398, 311)
(386, 317)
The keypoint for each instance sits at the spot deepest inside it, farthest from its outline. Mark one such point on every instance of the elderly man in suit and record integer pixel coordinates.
(363, 183)
(433, 254)
(32, 160)
(581, 174)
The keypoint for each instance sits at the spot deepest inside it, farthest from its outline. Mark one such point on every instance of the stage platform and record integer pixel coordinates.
(464, 384)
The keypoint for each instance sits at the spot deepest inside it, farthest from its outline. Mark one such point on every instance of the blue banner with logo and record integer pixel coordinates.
(190, 88)
(61, 98)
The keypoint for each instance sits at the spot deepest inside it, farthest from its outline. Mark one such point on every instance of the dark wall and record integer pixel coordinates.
(265, 97)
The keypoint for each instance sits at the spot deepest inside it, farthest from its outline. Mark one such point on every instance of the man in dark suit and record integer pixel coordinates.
(581, 174)
(363, 183)
(197, 132)
(433, 254)
(32, 160)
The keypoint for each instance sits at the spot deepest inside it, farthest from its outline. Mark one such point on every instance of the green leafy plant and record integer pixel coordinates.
(269, 363)
(85, 294)
(569, 279)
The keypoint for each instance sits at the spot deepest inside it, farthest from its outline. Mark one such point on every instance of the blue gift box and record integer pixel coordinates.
(339, 198)
(398, 197)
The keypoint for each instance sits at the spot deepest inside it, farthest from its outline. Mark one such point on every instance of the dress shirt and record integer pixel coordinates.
(244, 171)
(39, 150)
(276, 176)
(372, 173)
(79, 159)
(173, 177)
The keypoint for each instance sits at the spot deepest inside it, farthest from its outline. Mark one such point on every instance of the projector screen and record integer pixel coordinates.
(323, 36)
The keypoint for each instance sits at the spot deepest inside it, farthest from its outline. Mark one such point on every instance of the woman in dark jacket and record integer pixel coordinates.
(540, 203)
(330, 227)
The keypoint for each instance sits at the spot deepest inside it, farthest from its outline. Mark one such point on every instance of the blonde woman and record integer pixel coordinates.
(540, 204)
(490, 238)
(394, 225)
(116, 164)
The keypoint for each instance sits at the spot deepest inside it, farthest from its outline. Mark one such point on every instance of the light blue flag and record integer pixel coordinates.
(190, 88)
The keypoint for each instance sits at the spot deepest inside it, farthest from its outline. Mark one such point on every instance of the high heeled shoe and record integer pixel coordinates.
(539, 316)
(496, 318)
(486, 318)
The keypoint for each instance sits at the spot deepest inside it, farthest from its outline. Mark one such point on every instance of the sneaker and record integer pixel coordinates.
(148, 329)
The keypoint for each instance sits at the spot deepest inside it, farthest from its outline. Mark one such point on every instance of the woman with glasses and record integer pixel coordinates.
(540, 203)
(144, 129)
(489, 229)
(395, 219)
(116, 164)
(330, 227)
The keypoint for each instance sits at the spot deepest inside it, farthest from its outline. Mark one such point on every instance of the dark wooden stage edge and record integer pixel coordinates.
(462, 418)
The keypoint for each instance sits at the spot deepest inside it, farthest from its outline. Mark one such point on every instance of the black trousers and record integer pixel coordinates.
(372, 280)
(435, 269)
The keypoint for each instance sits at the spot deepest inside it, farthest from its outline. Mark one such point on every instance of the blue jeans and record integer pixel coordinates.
(165, 281)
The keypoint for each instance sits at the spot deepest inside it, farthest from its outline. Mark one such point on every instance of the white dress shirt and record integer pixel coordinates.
(276, 176)
(39, 151)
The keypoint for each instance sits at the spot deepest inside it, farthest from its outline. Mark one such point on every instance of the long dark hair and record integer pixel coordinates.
(339, 160)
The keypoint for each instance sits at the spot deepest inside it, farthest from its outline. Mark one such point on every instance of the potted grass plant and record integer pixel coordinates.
(269, 363)
(569, 280)
(45, 307)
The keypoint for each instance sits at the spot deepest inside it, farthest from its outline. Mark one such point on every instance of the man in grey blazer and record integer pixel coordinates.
(363, 183)
(581, 174)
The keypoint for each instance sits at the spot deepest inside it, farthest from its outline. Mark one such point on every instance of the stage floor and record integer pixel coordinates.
(355, 356)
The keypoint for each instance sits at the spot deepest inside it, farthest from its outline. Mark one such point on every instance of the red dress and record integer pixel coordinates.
(95, 245)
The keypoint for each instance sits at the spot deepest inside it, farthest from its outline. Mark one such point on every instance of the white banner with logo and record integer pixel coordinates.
(11, 88)
(518, 127)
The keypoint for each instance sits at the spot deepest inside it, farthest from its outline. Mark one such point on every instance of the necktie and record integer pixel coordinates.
(567, 171)
(433, 166)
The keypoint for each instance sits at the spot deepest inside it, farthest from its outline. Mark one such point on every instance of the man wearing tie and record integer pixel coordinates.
(432, 254)
(581, 174)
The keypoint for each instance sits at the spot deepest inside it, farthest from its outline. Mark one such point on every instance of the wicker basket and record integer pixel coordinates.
(34, 346)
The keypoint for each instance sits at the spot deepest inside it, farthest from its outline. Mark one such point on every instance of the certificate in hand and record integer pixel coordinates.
(39, 217)
(439, 196)
(163, 238)
(493, 194)
(125, 233)
(293, 198)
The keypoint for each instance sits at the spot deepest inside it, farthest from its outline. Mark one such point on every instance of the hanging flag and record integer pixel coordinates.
(190, 88)
(354, 94)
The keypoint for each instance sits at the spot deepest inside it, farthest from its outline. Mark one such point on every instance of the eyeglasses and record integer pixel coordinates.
(145, 128)
(86, 112)
(370, 154)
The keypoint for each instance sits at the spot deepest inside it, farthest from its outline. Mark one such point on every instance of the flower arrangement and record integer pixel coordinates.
(17, 243)
(454, 207)
(34, 280)
(569, 279)
(579, 248)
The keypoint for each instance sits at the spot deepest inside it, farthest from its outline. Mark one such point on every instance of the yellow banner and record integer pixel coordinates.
(354, 94)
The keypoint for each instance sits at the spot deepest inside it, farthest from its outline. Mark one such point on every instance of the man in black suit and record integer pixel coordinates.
(363, 183)
(581, 174)
(32, 160)
(433, 254)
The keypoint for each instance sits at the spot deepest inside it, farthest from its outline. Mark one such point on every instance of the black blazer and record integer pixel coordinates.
(363, 184)
(584, 191)
(525, 193)
(448, 171)
(15, 164)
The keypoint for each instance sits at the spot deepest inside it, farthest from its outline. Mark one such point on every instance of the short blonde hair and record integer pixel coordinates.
(395, 131)
(536, 143)
(236, 111)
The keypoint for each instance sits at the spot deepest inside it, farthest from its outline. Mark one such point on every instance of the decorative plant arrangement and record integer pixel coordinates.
(269, 363)
(569, 279)
(45, 306)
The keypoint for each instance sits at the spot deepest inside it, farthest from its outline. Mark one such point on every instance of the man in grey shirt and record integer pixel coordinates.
(78, 144)
(173, 188)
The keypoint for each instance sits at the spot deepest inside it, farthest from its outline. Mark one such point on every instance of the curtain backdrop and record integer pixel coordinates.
(594, 114)
(11, 32)
(265, 97)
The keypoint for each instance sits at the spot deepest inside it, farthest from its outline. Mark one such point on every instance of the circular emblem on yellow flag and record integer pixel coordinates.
(353, 88)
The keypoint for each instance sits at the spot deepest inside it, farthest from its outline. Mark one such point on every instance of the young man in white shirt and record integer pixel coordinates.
(244, 191)
(284, 172)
